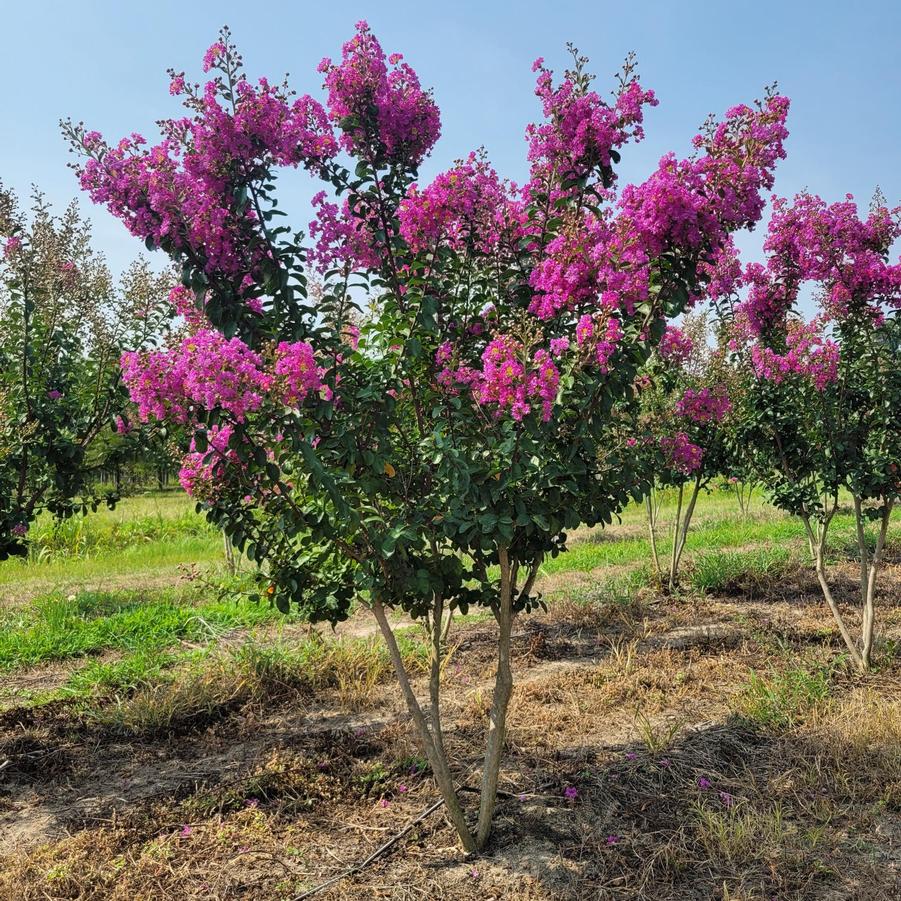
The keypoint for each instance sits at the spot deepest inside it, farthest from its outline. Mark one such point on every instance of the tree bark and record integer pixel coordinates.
(437, 632)
(437, 760)
(869, 599)
(652, 529)
(230, 562)
(672, 564)
(818, 546)
(503, 688)
(680, 531)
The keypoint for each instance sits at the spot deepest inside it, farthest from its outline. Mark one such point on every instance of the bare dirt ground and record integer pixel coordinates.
(672, 794)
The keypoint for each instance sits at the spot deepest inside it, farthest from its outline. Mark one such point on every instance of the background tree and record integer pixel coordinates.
(63, 326)
(822, 411)
(682, 427)
(134, 457)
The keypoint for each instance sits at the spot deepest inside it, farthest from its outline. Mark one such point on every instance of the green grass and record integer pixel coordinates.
(169, 504)
(144, 537)
(84, 537)
(717, 503)
(781, 698)
(57, 627)
(158, 532)
(208, 684)
(604, 547)
(123, 676)
(141, 561)
(114, 589)
(721, 571)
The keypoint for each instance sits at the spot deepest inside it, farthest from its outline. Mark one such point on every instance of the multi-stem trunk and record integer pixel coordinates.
(744, 500)
(429, 728)
(231, 564)
(503, 688)
(816, 538)
(653, 508)
(672, 561)
(437, 637)
(432, 742)
(869, 571)
(861, 652)
(680, 529)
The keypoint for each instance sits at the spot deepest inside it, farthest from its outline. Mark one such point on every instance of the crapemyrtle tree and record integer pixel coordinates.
(411, 404)
(821, 413)
(63, 324)
(738, 476)
(681, 428)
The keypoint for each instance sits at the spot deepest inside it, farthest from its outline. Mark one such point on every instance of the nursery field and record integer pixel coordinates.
(162, 737)
(365, 638)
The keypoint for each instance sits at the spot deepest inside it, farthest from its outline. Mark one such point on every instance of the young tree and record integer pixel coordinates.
(425, 453)
(681, 430)
(63, 326)
(822, 412)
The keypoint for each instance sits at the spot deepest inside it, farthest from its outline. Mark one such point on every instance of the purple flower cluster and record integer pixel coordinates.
(600, 336)
(201, 473)
(379, 104)
(509, 381)
(580, 131)
(808, 354)
(695, 203)
(704, 405)
(343, 240)
(690, 206)
(721, 271)
(182, 191)
(809, 240)
(183, 303)
(572, 269)
(675, 346)
(681, 454)
(296, 372)
(205, 370)
(468, 203)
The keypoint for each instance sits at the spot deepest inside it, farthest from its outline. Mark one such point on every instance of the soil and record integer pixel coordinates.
(631, 710)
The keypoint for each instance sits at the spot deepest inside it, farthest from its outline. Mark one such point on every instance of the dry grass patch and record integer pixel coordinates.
(655, 680)
(349, 670)
(856, 741)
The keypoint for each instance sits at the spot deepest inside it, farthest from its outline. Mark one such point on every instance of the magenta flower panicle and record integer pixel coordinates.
(379, 104)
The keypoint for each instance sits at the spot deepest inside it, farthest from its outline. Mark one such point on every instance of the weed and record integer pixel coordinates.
(117, 676)
(741, 832)
(160, 708)
(780, 699)
(659, 738)
(373, 779)
(211, 685)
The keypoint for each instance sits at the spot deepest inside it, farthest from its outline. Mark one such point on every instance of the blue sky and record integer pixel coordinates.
(104, 62)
